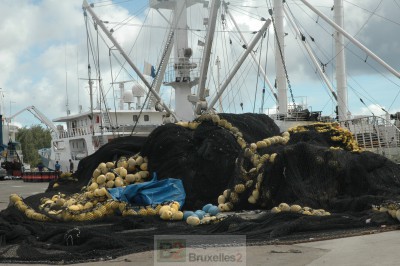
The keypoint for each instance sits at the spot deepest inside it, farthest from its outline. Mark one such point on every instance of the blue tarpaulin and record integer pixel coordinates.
(151, 192)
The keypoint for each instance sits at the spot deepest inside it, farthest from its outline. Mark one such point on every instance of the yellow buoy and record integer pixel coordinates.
(131, 162)
(143, 166)
(110, 184)
(93, 186)
(392, 213)
(129, 212)
(275, 210)
(21, 206)
(14, 198)
(110, 176)
(118, 182)
(74, 208)
(223, 207)
(131, 178)
(256, 194)
(166, 215)
(150, 211)
(252, 200)
(123, 172)
(110, 165)
(193, 125)
(174, 207)
(139, 160)
(142, 212)
(295, 208)
(122, 206)
(239, 188)
(144, 174)
(193, 220)
(221, 199)
(177, 216)
(103, 168)
(227, 193)
(88, 205)
(272, 157)
(164, 208)
(101, 179)
(96, 173)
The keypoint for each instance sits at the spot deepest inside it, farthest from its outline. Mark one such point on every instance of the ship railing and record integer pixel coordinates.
(192, 68)
(120, 129)
(376, 134)
(298, 116)
(75, 132)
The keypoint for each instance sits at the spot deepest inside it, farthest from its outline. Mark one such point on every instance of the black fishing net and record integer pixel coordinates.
(239, 162)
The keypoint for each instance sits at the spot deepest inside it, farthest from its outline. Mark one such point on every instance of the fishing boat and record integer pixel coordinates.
(186, 73)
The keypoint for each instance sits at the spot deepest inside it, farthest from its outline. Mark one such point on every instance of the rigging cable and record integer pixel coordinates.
(258, 75)
(265, 71)
(283, 61)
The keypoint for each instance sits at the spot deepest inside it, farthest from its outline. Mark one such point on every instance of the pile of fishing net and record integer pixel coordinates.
(240, 175)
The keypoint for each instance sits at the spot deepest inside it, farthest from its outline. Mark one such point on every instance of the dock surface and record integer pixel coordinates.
(373, 249)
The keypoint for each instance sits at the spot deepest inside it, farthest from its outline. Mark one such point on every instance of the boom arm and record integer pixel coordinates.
(39, 115)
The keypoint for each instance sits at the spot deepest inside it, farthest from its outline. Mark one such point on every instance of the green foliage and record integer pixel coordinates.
(32, 139)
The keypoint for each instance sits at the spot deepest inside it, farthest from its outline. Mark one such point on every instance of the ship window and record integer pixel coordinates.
(58, 145)
(135, 118)
(146, 118)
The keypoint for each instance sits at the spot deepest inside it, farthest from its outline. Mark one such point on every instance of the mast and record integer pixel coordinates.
(182, 86)
(341, 82)
(183, 64)
(201, 94)
(279, 56)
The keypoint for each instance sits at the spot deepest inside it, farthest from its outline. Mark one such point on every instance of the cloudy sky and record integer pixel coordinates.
(44, 55)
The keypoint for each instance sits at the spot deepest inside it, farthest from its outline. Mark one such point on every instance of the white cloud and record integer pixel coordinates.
(43, 51)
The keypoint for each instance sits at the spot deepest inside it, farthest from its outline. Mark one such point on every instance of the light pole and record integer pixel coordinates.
(9, 122)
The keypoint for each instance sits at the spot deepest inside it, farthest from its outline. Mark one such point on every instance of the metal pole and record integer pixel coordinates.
(239, 64)
(207, 53)
(279, 57)
(341, 83)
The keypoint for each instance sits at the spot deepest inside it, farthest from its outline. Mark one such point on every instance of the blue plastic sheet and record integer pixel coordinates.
(151, 192)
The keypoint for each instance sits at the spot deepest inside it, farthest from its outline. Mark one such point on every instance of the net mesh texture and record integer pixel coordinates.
(242, 160)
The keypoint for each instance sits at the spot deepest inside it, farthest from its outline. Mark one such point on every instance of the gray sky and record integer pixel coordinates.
(43, 53)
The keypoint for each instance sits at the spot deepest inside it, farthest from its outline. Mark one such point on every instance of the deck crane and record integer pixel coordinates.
(39, 115)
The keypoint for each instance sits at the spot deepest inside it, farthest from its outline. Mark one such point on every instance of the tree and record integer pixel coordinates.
(32, 139)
